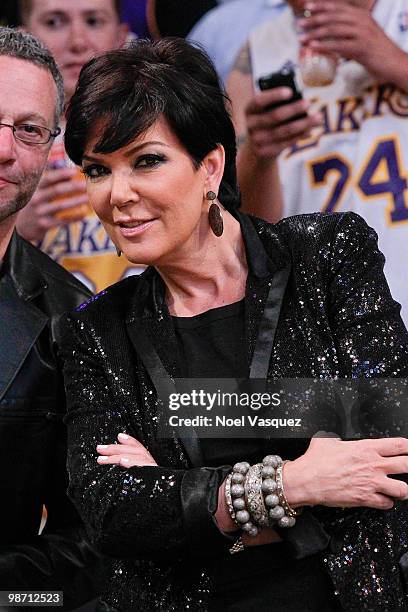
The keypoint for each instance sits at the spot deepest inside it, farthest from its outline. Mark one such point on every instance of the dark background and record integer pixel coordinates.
(8, 13)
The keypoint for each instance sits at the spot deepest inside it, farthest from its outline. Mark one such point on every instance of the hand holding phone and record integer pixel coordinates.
(277, 116)
(283, 78)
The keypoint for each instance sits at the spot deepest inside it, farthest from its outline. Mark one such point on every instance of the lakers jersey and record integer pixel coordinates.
(358, 159)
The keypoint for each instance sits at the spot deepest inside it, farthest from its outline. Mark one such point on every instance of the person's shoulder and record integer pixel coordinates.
(106, 311)
(282, 21)
(107, 300)
(216, 18)
(53, 273)
(319, 220)
(323, 227)
(114, 301)
(314, 233)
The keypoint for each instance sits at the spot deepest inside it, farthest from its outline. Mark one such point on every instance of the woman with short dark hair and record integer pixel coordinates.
(225, 296)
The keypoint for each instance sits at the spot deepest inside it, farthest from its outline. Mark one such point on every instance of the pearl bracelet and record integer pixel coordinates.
(237, 490)
(279, 511)
(255, 496)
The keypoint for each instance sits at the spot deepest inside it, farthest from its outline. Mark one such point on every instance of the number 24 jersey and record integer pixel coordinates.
(358, 159)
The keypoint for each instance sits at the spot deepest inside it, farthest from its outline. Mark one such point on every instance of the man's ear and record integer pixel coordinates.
(213, 164)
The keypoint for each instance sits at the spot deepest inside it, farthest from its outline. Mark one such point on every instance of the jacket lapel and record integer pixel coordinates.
(268, 276)
(20, 325)
(148, 311)
(151, 332)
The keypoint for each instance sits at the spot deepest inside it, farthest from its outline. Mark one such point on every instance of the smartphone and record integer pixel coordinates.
(283, 78)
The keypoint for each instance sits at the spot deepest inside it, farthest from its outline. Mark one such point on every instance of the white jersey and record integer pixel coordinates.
(359, 160)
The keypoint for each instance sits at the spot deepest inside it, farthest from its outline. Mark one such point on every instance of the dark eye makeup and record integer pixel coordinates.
(93, 171)
(149, 160)
(146, 161)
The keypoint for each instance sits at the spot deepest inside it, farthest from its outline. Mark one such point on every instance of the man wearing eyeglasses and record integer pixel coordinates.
(34, 291)
(59, 219)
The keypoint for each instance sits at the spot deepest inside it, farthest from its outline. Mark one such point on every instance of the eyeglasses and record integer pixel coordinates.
(32, 134)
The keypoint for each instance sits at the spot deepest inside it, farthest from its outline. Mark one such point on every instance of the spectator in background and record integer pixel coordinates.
(223, 30)
(356, 156)
(58, 218)
(34, 291)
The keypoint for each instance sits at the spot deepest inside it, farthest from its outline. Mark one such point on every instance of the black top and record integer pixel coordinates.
(212, 345)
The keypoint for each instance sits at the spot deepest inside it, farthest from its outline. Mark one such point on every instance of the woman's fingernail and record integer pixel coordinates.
(103, 458)
(124, 459)
(123, 436)
(102, 446)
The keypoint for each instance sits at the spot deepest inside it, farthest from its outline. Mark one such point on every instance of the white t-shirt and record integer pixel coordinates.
(224, 30)
(359, 160)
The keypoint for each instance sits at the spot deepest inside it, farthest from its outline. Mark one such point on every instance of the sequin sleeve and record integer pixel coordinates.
(372, 342)
(371, 337)
(139, 512)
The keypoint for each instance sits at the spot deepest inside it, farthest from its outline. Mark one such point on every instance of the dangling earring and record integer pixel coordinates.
(118, 251)
(214, 215)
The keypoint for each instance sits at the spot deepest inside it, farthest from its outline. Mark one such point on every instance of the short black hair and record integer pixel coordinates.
(25, 6)
(131, 88)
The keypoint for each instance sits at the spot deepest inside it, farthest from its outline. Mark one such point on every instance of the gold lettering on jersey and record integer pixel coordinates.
(348, 114)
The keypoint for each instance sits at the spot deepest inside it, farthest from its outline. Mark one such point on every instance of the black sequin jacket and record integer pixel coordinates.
(337, 319)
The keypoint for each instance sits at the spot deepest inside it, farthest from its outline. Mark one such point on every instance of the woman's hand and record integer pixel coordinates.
(128, 453)
(227, 525)
(348, 474)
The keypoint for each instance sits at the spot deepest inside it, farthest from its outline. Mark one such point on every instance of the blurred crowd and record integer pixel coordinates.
(338, 146)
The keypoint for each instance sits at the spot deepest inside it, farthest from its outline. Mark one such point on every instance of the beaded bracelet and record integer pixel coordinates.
(255, 496)
(237, 490)
(238, 545)
(279, 511)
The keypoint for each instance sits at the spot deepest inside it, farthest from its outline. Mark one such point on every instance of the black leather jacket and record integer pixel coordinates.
(334, 317)
(34, 291)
